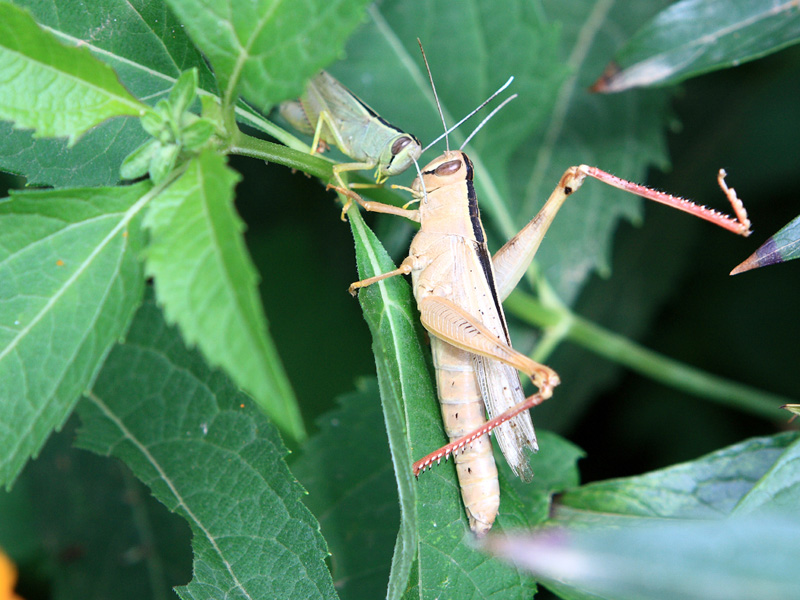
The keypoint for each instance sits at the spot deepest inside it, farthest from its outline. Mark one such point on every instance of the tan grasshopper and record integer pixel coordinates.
(459, 288)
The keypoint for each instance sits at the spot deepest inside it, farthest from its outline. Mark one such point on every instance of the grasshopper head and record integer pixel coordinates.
(397, 156)
(450, 168)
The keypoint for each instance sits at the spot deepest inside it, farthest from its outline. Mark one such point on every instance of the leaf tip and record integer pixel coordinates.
(767, 254)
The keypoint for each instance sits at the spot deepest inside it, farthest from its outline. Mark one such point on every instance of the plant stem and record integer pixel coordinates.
(666, 370)
(313, 165)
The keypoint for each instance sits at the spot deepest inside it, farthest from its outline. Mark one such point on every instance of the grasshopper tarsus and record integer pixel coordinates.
(349, 194)
(736, 203)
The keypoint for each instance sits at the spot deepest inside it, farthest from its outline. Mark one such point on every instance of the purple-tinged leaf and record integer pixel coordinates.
(783, 246)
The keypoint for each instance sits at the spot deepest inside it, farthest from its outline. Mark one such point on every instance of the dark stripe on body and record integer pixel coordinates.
(375, 115)
(480, 245)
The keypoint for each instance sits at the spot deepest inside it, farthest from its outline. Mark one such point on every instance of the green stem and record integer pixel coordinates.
(302, 161)
(246, 114)
(647, 362)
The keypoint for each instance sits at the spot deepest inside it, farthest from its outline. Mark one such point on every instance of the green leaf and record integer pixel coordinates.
(56, 90)
(783, 246)
(90, 515)
(137, 162)
(521, 154)
(147, 68)
(731, 559)
(708, 487)
(432, 551)
(208, 285)
(401, 374)
(353, 496)
(697, 36)
(71, 282)
(265, 50)
(779, 489)
(210, 456)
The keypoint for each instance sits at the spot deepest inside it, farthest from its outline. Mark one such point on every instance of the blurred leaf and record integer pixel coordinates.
(18, 532)
(265, 50)
(210, 456)
(609, 523)
(353, 496)
(209, 287)
(55, 90)
(696, 36)
(555, 465)
(71, 282)
(728, 559)
(708, 487)
(783, 246)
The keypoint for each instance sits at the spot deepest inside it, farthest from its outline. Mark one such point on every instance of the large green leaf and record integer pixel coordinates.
(71, 280)
(397, 352)
(554, 52)
(696, 36)
(53, 89)
(209, 287)
(708, 487)
(432, 543)
(208, 454)
(264, 50)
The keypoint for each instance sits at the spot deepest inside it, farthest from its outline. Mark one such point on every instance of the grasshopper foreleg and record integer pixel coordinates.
(405, 268)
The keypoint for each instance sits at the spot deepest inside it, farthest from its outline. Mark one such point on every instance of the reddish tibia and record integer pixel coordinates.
(445, 451)
(740, 225)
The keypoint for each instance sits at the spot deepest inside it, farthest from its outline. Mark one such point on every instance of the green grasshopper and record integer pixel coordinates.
(334, 115)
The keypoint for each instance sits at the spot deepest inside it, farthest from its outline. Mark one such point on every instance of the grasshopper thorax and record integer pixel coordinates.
(399, 154)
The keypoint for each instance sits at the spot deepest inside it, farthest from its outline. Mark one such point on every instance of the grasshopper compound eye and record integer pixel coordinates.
(448, 168)
(401, 143)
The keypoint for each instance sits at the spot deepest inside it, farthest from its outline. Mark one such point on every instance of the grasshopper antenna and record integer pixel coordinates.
(486, 120)
(461, 122)
(435, 95)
